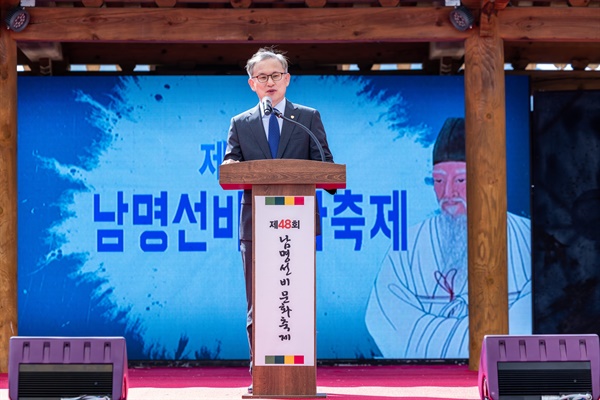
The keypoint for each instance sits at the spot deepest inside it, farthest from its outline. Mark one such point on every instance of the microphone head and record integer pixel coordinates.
(267, 104)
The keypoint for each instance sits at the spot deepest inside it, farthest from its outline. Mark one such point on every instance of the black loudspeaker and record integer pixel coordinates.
(54, 368)
(540, 367)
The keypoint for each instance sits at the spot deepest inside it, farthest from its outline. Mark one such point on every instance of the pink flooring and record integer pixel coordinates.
(335, 376)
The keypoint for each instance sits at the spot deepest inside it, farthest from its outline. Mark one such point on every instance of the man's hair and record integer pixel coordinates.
(450, 143)
(265, 53)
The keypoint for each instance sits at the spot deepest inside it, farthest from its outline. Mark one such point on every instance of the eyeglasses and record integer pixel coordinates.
(275, 76)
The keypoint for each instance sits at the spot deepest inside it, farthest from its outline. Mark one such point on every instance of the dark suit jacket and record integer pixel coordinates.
(247, 141)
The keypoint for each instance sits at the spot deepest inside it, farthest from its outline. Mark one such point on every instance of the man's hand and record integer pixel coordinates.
(229, 161)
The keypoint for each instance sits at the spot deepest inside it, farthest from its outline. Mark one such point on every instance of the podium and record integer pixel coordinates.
(283, 287)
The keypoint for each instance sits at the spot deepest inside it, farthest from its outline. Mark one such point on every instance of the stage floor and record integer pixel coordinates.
(419, 382)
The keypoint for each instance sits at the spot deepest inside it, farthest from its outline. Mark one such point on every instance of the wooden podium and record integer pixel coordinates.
(281, 182)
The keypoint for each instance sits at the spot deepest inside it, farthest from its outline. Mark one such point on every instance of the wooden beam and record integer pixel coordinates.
(240, 3)
(166, 3)
(500, 4)
(579, 3)
(8, 194)
(550, 24)
(315, 3)
(294, 25)
(92, 3)
(239, 25)
(222, 57)
(35, 51)
(473, 5)
(556, 81)
(485, 123)
(550, 53)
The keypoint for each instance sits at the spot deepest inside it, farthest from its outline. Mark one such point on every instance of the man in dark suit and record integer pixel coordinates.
(251, 138)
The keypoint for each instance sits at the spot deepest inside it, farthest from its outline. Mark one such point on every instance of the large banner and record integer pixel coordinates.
(124, 229)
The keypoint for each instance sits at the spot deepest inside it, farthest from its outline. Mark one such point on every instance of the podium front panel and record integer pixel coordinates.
(284, 274)
(284, 365)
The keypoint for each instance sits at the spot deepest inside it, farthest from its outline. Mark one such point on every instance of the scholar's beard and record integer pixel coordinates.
(452, 233)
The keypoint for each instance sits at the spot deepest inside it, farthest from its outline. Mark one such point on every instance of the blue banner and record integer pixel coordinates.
(124, 229)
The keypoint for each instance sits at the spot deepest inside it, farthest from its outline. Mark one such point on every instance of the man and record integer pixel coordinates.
(251, 138)
(418, 307)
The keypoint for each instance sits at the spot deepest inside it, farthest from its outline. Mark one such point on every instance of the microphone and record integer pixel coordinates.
(312, 135)
(267, 105)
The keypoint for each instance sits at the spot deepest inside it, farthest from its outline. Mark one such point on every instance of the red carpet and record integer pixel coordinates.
(350, 376)
(370, 381)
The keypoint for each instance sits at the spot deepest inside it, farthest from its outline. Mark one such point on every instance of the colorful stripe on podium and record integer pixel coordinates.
(284, 360)
(284, 200)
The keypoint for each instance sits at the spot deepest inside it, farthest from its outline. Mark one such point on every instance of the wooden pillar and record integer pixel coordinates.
(485, 123)
(8, 190)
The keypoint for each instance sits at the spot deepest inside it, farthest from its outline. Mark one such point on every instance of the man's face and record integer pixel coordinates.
(450, 185)
(275, 90)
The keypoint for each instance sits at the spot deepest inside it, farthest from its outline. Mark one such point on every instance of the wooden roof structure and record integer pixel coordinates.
(320, 36)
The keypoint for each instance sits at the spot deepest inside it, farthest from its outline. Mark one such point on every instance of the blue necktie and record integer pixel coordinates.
(273, 135)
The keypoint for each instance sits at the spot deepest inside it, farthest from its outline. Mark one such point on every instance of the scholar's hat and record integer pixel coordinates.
(450, 143)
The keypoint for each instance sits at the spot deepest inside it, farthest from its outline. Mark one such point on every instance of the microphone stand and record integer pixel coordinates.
(279, 114)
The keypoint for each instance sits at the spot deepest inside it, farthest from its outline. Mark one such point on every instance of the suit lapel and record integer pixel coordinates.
(287, 127)
(258, 132)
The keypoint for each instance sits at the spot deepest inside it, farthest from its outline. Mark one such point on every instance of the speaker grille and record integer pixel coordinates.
(544, 378)
(55, 381)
